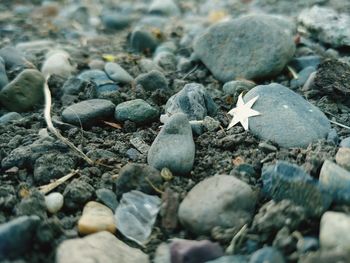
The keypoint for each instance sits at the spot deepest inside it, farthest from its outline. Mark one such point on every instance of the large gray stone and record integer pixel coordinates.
(286, 118)
(102, 247)
(88, 112)
(174, 146)
(251, 47)
(220, 200)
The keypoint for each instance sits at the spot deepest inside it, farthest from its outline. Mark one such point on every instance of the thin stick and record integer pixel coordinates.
(339, 124)
(47, 116)
(292, 71)
(231, 248)
(49, 187)
(190, 72)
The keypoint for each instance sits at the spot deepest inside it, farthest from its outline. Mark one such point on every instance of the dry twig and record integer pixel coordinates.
(49, 187)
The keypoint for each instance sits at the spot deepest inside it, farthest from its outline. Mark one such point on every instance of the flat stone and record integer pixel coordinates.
(88, 112)
(24, 92)
(337, 181)
(54, 202)
(107, 197)
(327, 25)
(102, 247)
(222, 195)
(16, 236)
(267, 255)
(152, 81)
(334, 228)
(96, 217)
(117, 73)
(343, 158)
(284, 180)
(174, 147)
(241, 48)
(286, 118)
(138, 111)
(8, 117)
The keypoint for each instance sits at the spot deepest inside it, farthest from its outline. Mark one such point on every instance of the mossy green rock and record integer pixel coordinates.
(24, 92)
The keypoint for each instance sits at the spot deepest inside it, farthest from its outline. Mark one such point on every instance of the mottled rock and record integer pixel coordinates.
(138, 111)
(77, 193)
(33, 204)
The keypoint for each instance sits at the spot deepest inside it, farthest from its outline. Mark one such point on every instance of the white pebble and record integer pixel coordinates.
(54, 202)
(57, 62)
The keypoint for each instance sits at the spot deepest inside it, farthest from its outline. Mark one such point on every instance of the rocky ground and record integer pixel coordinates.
(144, 91)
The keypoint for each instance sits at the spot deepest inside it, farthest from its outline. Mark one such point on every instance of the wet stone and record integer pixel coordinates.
(115, 21)
(95, 218)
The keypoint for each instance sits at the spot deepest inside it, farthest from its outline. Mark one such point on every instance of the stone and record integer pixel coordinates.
(101, 155)
(334, 229)
(107, 197)
(96, 217)
(77, 193)
(284, 180)
(102, 247)
(267, 255)
(307, 244)
(136, 215)
(343, 158)
(222, 195)
(32, 204)
(138, 111)
(24, 92)
(345, 142)
(170, 206)
(3, 76)
(249, 55)
(100, 79)
(162, 254)
(74, 86)
(147, 65)
(115, 21)
(57, 63)
(135, 176)
(230, 259)
(333, 136)
(303, 76)
(337, 181)
(142, 40)
(52, 166)
(14, 59)
(193, 101)
(166, 60)
(16, 236)
(9, 117)
(117, 73)
(173, 147)
(290, 122)
(152, 81)
(164, 7)
(303, 62)
(88, 112)
(182, 250)
(54, 202)
(327, 25)
(236, 87)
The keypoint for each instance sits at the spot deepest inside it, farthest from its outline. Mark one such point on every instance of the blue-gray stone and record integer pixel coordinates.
(117, 73)
(138, 111)
(107, 197)
(152, 81)
(116, 21)
(88, 112)
(3, 76)
(303, 76)
(174, 147)
(73, 86)
(286, 118)
(236, 87)
(337, 181)
(164, 7)
(230, 259)
(345, 142)
(142, 40)
(241, 48)
(267, 255)
(333, 136)
(307, 244)
(193, 101)
(284, 180)
(301, 63)
(8, 117)
(14, 59)
(98, 77)
(133, 154)
(16, 236)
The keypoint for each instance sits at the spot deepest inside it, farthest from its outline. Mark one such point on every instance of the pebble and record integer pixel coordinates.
(100, 79)
(117, 73)
(115, 21)
(182, 250)
(74, 86)
(236, 87)
(222, 195)
(135, 176)
(54, 202)
(334, 228)
(101, 155)
(147, 65)
(24, 92)
(170, 206)
(52, 166)
(230, 259)
(337, 181)
(210, 124)
(136, 215)
(303, 76)
(345, 142)
(303, 62)
(9, 117)
(57, 63)
(193, 101)
(88, 112)
(166, 60)
(77, 193)
(14, 59)
(152, 81)
(3, 76)
(286, 118)
(343, 158)
(164, 7)
(173, 147)
(284, 180)
(138, 111)
(102, 247)
(228, 56)
(16, 236)
(107, 197)
(326, 25)
(33, 204)
(96, 217)
(333, 136)
(141, 40)
(267, 255)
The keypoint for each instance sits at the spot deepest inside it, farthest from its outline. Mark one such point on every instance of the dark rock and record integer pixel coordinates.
(100, 155)
(142, 40)
(117, 73)
(116, 21)
(152, 81)
(107, 197)
(303, 76)
(77, 193)
(133, 154)
(345, 142)
(138, 111)
(34, 204)
(73, 86)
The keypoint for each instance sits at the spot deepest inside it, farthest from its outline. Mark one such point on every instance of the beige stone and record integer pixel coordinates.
(343, 158)
(95, 218)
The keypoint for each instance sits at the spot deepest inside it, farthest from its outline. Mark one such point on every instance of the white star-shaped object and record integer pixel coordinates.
(242, 112)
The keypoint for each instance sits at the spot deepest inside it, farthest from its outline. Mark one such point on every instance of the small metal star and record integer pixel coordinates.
(242, 112)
